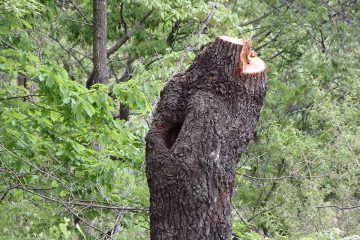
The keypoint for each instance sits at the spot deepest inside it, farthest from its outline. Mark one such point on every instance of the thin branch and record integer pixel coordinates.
(120, 42)
(277, 54)
(68, 52)
(129, 34)
(122, 20)
(72, 20)
(261, 17)
(256, 19)
(6, 193)
(273, 39)
(24, 96)
(264, 211)
(85, 204)
(45, 108)
(157, 58)
(265, 33)
(173, 33)
(47, 173)
(7, 44)
(182, 59)
(281, 178)
(340, 207)
(281, 169)
(193, 44)
(67, 204)
(237, 213)
(80, 12)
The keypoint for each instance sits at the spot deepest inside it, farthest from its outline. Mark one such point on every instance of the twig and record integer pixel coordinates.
(129, 34)
(24, 96)
(73, 20)
(264, 211)
(193, 44)
(261, 17)
(119, 43)
(280, 178)
(273, 39)
(152, 61)
(122, 20)
(187, 49)
(45, 108)
(80, 12)
(340, 207)
(68, 52)
(6, 193)
(237, 213)
(256, 19)
(84, 204)
(6, 44)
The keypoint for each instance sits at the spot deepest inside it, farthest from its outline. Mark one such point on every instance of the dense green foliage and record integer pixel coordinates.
(70, 167)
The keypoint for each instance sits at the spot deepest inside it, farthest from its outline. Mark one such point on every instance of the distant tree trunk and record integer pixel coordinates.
(22, 80)
(31, 86)
(203, 122)
(123, 108)
(100, 72)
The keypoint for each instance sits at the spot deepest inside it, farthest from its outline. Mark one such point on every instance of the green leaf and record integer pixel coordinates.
(26, 24)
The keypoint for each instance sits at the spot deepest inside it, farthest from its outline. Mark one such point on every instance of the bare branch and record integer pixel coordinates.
(193, 44)
(281, 178)
(256, 19)
(272, 40)
(182, 59)
(5, 193)
(340, 207)
(76, 21)
(88, 204)
(121, 42)
(24, 96)
(129, 34)
(122, 20)
(157, 58)
(45, 108)
(68, 52)
(6, 44)
(80, 12)
(262, 17)
(264, 211)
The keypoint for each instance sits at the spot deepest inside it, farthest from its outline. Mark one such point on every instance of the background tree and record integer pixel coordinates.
(100, 73)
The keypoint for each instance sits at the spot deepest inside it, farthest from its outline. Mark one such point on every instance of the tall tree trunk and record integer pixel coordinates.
(203, 122)
(100, 72)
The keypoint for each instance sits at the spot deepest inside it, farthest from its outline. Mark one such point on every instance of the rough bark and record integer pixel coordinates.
(100, 72)
(203, 122)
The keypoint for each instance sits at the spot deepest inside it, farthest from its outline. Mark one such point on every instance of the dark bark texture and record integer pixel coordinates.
(202, 124)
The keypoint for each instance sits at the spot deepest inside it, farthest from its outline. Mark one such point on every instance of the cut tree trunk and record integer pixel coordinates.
(202, 124)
